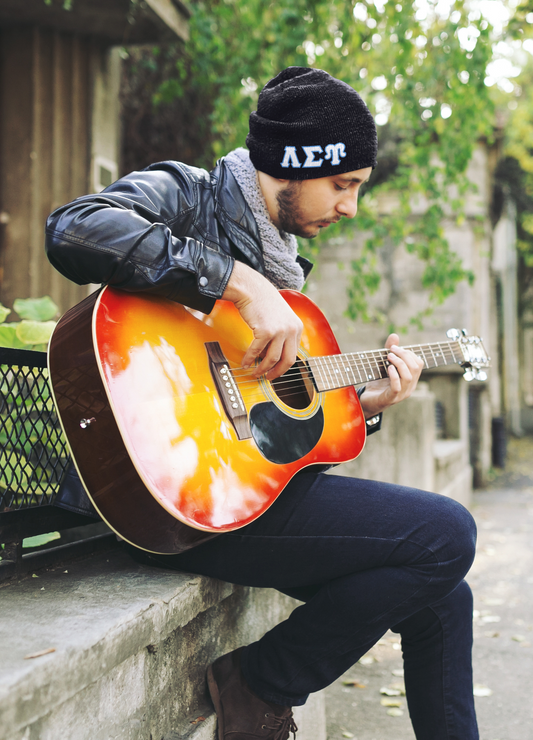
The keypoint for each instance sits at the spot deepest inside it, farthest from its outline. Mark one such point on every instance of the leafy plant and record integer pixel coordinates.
(36, 325)
(32, 449)
(420, 69)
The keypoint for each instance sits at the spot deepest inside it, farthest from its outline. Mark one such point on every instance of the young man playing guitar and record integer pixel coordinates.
(362, 556)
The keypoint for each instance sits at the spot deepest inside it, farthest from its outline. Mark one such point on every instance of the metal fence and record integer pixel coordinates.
(33, 460)
(33, 451)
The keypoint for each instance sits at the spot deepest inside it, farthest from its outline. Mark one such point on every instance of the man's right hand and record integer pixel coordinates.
(277, 329)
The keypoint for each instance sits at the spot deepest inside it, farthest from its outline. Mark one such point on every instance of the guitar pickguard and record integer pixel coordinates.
(283, 439)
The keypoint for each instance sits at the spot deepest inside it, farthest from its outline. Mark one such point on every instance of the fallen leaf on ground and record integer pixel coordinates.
(398, 672)
(367, 660)
(491, 634)
(489, 618)
(480, 690)
(518, 638)
(354, 682)
(395, 712)
(386, 702)
(389, 691)
(198, 719)
(346, 733)
(40, 653)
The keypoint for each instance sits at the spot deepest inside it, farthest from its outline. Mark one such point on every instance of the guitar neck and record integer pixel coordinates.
(356, 368)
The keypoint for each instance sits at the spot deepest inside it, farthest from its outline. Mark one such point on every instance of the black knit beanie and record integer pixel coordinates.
(309, 124)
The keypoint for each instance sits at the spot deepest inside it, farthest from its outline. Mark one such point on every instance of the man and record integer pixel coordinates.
(363, 556)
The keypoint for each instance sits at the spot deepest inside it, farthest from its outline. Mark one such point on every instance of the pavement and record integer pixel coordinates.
(502, 581)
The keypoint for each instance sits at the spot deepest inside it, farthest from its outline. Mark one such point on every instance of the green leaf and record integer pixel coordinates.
(8, 336)
(40, 539)
(35, 332)
(36, 309)
(4, 313)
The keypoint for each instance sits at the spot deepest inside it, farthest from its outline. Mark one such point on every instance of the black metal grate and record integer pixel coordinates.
(33, 451)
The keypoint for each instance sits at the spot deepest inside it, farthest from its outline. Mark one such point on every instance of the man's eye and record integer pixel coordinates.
(339, 187)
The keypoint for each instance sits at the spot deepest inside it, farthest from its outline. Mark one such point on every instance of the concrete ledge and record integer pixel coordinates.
(131, 646)
(453, 473)
(460, 488)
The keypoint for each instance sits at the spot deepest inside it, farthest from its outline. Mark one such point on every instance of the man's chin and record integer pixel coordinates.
(310, 232)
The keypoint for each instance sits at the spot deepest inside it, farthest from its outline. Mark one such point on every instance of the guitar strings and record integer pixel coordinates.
(329, 362)
(294, 379)
(365, 372)
(327, 367)
(368, 359)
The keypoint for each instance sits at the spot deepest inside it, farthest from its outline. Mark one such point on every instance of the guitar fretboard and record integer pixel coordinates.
(356, 368)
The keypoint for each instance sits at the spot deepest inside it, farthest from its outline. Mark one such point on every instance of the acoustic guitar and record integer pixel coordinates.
(174, 441)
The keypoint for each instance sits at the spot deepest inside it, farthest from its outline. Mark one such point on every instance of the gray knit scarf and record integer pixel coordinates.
(279, 248)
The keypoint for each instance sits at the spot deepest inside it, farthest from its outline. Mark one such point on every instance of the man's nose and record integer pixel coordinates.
(348, 206)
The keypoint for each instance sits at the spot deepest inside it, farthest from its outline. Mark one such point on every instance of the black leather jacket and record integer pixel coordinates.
(171, 229)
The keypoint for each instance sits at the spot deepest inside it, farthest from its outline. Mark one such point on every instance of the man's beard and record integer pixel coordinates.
(290, 218)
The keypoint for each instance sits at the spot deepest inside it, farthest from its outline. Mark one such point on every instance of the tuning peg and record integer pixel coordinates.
(453, 333)
(469, 375)
(481, 375)
(464, 332)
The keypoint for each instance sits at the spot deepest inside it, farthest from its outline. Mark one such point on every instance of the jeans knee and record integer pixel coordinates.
(461, 532)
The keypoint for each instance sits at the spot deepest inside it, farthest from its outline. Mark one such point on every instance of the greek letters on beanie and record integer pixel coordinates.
(309, 124)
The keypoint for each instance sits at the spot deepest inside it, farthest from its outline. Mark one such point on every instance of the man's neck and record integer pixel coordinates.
(270, 187)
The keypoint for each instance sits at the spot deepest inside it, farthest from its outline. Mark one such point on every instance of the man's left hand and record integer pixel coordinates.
(404, 371)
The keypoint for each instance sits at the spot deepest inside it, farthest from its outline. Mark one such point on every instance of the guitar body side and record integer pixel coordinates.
(104, 466)
(154, 364)
(160, 459)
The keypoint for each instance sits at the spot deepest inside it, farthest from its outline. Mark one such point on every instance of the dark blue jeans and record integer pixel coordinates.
(364, 557)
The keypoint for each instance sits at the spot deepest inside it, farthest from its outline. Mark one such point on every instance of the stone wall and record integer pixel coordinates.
(402, 452)
(130, 649)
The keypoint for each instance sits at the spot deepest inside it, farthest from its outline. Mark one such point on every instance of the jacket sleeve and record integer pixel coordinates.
(129, 236)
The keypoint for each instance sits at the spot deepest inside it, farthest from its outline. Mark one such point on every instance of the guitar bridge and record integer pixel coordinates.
(228, 391)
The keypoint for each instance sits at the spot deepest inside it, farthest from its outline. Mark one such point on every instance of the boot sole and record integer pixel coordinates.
(215, 698)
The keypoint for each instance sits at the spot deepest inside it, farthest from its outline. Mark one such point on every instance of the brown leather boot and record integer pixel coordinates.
(241, 714)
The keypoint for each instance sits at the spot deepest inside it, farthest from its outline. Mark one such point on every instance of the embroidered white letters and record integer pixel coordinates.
(290, 158)
(310, 154)
(334, 152)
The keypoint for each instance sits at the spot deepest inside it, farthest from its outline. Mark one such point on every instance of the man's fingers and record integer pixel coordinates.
(392, 339)
(286, 360)
(255, 350)
(409, 359)
(271, 357)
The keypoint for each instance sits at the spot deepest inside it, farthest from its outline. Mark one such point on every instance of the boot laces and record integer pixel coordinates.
(283, 726)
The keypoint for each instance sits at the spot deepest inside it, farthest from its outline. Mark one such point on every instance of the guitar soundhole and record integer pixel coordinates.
(295, 388)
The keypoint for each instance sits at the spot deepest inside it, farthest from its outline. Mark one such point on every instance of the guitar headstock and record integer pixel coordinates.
(474, 354)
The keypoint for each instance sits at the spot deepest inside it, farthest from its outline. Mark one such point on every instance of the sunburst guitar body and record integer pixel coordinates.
(175, 442)
(172, 440)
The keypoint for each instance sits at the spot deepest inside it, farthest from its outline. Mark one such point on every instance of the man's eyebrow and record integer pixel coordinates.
(353, 179)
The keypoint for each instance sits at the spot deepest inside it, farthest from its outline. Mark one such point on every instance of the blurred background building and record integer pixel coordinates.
(64, 104)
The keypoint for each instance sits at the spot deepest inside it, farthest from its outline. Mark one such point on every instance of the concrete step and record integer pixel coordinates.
(130, 647)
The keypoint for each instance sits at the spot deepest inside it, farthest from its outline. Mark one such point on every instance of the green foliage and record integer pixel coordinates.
(67, 4)
(421, 74)
(514, 175)
(28, 440)
(40, 539)
(30, 443)
(36, 327)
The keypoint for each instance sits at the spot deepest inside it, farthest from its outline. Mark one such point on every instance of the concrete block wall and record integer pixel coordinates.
(131, 646)
(406, 452)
